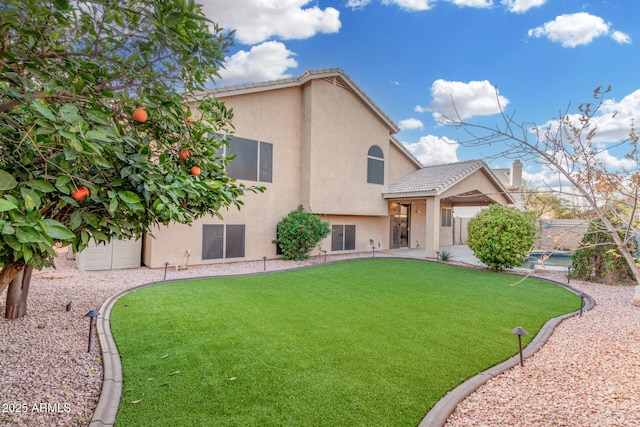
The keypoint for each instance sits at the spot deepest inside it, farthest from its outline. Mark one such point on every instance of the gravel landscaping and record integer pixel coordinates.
(587, 374)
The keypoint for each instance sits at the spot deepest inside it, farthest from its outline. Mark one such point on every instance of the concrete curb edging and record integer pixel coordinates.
(441, 411)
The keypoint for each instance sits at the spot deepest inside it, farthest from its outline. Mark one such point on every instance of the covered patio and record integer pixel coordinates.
(421, 204)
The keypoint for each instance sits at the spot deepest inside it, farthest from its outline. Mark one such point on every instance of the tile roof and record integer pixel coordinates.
(434, 179)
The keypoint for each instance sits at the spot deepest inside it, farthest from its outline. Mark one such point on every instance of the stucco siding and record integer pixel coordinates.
(342, 131)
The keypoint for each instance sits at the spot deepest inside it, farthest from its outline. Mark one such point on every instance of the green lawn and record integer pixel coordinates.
(374, 342)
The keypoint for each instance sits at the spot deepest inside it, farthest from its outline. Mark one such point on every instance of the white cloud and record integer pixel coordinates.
(621, 37)
(264, 62)
(452, 100)
(574, 30)
(521, 6)
(612, 121)
(357, 4)
(473, 3)
(413, 5)
(410, 124)
(433, 150)
(257, 20)
(613, 163)
(546, 178)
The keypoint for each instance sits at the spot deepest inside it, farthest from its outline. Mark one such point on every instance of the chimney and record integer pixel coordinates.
(516, 174)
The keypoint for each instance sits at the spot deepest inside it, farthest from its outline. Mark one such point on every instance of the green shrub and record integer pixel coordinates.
(598, 259)
(501, 236)
(299, 232)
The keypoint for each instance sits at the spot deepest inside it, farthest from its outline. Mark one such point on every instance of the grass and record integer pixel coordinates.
(373, 342)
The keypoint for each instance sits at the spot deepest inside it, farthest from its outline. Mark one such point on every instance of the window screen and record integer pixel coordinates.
(234, 241)
(349, 237)
(446, 217)
(253, 160)
(212, 241)
(343, 237)
(266, 162)
(375, 165)
(245, 164)
(222, 241)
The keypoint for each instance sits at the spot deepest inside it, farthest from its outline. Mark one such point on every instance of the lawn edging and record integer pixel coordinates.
(441, 411)
(108, 404)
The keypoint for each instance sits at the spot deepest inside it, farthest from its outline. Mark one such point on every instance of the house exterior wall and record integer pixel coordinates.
(341, 131)
(321, 133)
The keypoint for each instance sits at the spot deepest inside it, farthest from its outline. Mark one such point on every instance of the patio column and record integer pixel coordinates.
(432, 226)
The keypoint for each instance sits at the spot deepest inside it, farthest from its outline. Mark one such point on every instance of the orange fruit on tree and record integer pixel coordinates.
(184, 154)
(140, 115)
(80, 193)
(195, 170)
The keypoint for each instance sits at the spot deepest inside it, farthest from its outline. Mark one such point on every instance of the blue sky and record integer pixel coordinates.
(413, 56)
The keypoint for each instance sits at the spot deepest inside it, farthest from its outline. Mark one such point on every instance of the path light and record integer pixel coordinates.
(373, 251)
(325, 256)
(264, 260)
(520, 332)
(91, 315)
(166, 264)
(437, 255)
(569, 267)
(581, 295)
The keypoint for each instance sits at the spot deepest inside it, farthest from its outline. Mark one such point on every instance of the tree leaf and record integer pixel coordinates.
(6, 205)
(29, 235)
(41, 186)
(44, 110)
(7, 181)
(30, 198)
(57, 231)
(128, 196)
(113, 205)
(98, 135)
(75, 220)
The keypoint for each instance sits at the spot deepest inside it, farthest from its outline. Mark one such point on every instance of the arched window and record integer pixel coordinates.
(375, 165)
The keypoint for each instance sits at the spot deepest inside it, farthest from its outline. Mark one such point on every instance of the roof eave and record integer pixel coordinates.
(410, 195)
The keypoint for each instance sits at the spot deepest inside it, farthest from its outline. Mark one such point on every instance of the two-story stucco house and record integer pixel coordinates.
(319, 141)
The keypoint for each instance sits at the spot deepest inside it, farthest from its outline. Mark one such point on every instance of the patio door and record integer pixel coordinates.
(400, 214)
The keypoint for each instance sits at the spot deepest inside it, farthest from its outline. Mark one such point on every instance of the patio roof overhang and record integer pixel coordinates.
(471, 198)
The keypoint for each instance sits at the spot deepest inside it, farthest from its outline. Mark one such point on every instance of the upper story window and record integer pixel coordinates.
(375, 165)
(253, 161)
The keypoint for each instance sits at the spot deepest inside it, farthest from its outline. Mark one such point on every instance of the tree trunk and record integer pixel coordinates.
(18, 292)
(7, 274)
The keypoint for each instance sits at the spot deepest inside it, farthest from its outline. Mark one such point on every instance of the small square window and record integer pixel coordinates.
(446, 217)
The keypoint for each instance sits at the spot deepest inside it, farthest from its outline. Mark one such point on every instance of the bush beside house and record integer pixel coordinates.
(501, 236)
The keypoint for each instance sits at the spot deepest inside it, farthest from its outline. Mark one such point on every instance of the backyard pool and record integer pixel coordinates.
(556, 259)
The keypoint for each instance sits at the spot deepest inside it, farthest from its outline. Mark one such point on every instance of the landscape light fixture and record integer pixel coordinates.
(91, 315)
(520, 332)
(166, 264)
(438, 256)
(569, 267)
(581, 295)
(373, 251)
(264, 260)
(325, 256)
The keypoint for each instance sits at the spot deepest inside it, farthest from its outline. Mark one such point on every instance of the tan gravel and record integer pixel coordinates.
(588, 374)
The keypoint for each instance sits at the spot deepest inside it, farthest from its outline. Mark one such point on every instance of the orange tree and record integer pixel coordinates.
(76, 164)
